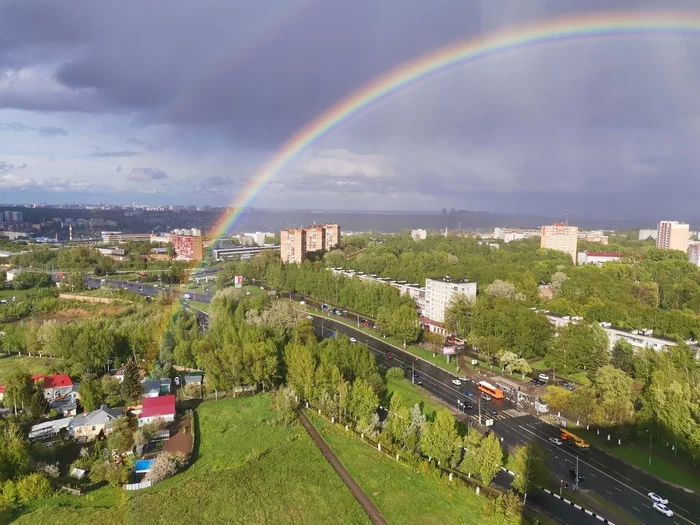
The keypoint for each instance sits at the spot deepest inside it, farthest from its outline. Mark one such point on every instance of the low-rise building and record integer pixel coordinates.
(597, 258)
(88, 426)
(57, 385)
(49, 429)
(439, 294)
(162, 407)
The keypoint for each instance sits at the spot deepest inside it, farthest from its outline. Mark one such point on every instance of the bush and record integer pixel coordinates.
(49, 469)
(165, 465)
(395, 373)
(284, 403)
(8, 495)
(34, 486)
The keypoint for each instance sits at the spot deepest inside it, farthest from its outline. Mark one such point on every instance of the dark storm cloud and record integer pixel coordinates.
(105, 154)
(146, 174)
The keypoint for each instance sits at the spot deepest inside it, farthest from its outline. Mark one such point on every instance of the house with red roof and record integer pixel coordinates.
(161, 407)
(57, 385)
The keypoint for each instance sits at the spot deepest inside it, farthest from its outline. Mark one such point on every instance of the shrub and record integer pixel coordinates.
(33, 486)
(165, 465)
(284, 404)
(395, 373)
(8, 495)
(49, 469)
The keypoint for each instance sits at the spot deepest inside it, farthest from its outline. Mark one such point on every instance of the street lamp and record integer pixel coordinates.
(650, 442)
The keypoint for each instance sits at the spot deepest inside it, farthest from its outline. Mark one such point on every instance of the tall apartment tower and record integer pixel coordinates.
(560, 237)
(293, 245)
(332, 239)
(672, 235)
(315, 238)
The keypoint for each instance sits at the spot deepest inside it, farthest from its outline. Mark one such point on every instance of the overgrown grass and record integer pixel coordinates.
(411, 395)
(9, 293)
(402, 494)
(248, 470)
(637, 454)
(29, 365)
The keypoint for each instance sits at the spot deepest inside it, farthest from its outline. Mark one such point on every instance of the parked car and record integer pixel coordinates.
(469, 394)
(543, 377)
(353, 340)
(663, 509)
(388, 355)
(486, 397)
(657, 498)
(555, 441)
(456, 382)
(463, 378)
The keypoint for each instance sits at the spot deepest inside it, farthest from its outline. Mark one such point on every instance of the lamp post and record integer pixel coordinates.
(650, 444)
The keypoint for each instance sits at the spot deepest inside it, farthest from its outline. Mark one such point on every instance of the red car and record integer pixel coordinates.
(388, 355)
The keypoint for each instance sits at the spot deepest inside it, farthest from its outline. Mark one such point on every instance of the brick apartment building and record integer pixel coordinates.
(296, 243)
(188, 247)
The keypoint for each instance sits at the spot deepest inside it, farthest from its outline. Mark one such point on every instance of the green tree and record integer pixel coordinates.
(38, 405)
(14, 455)
(490, 458)
(530, 466)
(440, 438)
(471, 463)
(623, 356)
(363, 403)
(120, 439)
(131, 385)
(301, 365)
(284, 404)
(398, 421)
(404, 324)
(33, 486)
(616, 397)
(90, 390)
(18, 391)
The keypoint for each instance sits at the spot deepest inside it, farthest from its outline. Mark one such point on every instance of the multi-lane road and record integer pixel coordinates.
(606, 478)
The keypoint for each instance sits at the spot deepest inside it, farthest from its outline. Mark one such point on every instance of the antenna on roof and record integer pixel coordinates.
(567, 219)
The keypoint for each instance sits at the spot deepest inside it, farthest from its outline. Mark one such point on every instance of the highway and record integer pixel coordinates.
(606, 477)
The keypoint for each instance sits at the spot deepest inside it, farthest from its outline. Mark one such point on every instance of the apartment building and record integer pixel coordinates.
(694, 254)
(293, 245)
(296, 243)
(672, 235)
(597, 258)
(560, 237)
(188, 247)
(439, 294)
(647, 233)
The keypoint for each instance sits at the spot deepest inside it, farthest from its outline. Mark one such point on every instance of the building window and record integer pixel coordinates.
(93, 428)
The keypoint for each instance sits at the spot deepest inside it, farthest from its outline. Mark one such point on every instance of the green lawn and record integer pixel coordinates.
(254, 290)
(9, 293)
(638, 455)
(30, 365)
(286, 479)
(205, 307)
(410, 395)
(402, 494)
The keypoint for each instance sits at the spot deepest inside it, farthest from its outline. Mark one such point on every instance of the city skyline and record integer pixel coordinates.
(557, 127)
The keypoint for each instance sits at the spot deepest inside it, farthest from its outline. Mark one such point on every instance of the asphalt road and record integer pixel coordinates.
(606, 477)
(621, 485)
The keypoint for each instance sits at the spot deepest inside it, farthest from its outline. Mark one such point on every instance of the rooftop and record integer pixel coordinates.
(158, 406)
(57, 381)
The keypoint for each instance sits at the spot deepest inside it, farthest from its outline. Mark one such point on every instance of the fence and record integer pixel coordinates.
(138, 486)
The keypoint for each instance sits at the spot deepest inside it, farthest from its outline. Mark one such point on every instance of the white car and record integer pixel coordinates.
(456, 382)
(463, 378)
(657, 498)
(543, 377)
(663, 509)
(353, 340)
(555, 441)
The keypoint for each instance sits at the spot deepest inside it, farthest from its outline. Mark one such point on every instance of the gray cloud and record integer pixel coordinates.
(6, 167)
(52, 131)
(44, 131)
(146, 174)
(104, 154)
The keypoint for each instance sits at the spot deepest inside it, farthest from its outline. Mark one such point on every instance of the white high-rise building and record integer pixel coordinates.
(694, 254)
(560, 237)
(672, 235)
(439, 294)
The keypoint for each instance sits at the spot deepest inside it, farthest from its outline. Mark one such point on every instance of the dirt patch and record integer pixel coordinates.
(180, 436)
(72, 314)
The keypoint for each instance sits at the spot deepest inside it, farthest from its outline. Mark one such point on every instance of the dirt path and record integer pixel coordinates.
(367, 504)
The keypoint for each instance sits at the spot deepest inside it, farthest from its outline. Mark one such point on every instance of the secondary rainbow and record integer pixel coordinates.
(552, 31)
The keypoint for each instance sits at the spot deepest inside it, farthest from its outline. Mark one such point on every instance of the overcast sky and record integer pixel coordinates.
(181, 102)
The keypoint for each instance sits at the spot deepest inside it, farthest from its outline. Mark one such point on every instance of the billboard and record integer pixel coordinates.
(238, 281)
(448, 350)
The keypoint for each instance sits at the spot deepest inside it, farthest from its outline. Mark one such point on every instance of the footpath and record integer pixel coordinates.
(367, 504)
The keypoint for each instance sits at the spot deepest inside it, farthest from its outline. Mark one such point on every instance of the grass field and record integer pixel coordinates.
(205, 307)
(402, 494)
(30, 365)
(410, 395)
(248, 470)
(9, 293)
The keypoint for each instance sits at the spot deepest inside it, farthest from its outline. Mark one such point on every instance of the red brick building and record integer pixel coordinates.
(188, 247)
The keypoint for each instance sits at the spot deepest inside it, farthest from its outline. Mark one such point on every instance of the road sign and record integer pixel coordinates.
(238, 281)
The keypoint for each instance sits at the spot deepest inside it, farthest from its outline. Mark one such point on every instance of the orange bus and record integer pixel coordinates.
(488, 388)
(566, 435)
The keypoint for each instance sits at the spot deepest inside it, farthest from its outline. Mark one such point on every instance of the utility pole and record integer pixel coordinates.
(413, 370)
(650, 441)
(576, 471)
(479, 408)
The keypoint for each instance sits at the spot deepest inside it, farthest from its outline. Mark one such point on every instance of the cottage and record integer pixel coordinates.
(151, 388)
(89, 426)
(57, 385)
(165, 383)
(66, 405)
(162, 407)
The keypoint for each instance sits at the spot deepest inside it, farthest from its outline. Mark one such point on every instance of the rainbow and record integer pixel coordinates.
(552, 31)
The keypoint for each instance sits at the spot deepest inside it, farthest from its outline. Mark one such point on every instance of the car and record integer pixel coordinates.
(555, 441)
(388, 355)
(568, 387)
(469, 394)
(486, 397)
(187, 296)
(456, 382)
(657, 498)
(353, 340)
(463, 378)
(572, 473)
(469, 405)
(543, 377)
(419, 381)
(663, 509)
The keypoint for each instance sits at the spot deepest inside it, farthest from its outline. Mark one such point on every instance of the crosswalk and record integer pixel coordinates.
(512, 413)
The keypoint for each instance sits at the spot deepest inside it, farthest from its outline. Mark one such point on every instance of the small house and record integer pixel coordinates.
(162, 407)
(194, 378)
(49, 428)
(89, 426)
(165, 383)
(57, 385)
(151, 388)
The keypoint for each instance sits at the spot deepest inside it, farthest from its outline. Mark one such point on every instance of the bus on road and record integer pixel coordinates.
(490, 390)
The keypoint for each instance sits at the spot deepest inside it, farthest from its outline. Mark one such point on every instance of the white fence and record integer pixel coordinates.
(138, 486)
